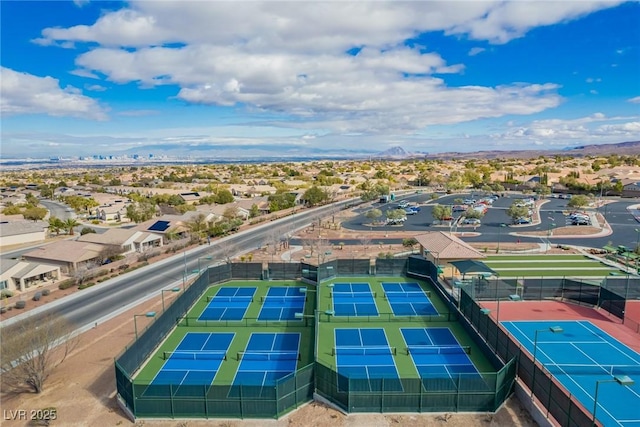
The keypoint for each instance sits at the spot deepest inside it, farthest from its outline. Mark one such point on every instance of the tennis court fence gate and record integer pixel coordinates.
(352, 395)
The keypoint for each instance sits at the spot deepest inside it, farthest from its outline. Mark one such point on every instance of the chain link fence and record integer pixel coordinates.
(484, 392)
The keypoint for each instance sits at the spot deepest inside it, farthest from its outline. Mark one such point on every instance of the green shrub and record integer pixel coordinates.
(45, 292)
(6, 293)
(37, 296)
(86, 285)
(21, 304)
(66, 284)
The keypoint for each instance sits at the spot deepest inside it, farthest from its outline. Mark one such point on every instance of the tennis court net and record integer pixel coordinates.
(407, 295)
(363, 351)
(237, 298)
(437, 349)
(283, 299)
(194, 355)
(353, 294)
(577, 369)
(268, 355)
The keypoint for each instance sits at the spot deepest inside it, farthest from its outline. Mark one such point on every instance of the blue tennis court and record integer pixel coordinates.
(267, 358)
(365, 354)
(282, 303)
(438, 356)
(408, 299)
(579, 356)
(228, 304)
(353, 299)
(195, 361)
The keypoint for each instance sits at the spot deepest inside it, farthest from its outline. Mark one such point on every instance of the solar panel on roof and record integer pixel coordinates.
(159, 226)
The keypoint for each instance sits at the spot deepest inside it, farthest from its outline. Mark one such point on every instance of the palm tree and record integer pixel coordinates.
(69, 224)
(56, 225)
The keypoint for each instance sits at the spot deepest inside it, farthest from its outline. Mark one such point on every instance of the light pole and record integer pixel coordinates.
(620, 379)
(553, 330)
(549, 230)
(184, 273)
(135, 316)
(208, 258)
(499, 237)
(514, 297)
(162, 291)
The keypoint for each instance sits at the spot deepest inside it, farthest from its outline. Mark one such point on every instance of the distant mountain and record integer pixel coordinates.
(630, 148)
(231, 153)
(397, 152)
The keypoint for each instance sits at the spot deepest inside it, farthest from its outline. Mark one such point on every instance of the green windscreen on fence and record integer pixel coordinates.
(459, 393)
(482, 392)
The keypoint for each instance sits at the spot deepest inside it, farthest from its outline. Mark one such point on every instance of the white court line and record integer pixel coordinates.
(191, 370)
(608, 339)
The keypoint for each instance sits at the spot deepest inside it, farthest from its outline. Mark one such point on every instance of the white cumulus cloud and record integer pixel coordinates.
(24, 93)
(343, 67)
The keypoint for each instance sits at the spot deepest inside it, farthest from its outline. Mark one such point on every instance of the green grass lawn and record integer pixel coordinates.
(534, 257)
(552, 272)
(547, 266)
(550, 265)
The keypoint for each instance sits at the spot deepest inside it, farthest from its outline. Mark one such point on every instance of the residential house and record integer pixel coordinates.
(243, 190)
(20, 232)
(69, 255)
(261, 202)
(18, 275)
(164, 225)
(190, 198)
(219, 210)
(111, 212)
(630, 188)
(128, 240)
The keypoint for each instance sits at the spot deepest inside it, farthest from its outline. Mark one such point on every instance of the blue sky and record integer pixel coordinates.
(221, 78)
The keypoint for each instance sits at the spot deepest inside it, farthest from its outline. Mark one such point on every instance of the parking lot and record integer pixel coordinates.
(496, 225)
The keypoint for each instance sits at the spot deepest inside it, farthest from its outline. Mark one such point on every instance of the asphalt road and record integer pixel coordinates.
(107, 299)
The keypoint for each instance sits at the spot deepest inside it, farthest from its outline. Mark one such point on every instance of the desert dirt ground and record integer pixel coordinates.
(82, 389)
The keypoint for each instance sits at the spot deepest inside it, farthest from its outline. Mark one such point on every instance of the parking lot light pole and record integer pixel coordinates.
(549, 231)
(500, 236)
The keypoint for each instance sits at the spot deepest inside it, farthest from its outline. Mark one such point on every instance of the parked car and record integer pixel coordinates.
(581, 221)
(459, 208)
(471, 221)
(409, 211)
(521, 221)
